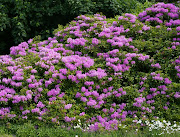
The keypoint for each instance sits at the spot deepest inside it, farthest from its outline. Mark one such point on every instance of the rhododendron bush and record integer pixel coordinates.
(101, 71)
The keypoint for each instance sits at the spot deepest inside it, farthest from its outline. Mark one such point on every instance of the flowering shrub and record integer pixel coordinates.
(101, 71)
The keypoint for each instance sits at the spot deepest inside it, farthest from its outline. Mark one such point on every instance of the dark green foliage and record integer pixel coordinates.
(21, 20)
(110, 8)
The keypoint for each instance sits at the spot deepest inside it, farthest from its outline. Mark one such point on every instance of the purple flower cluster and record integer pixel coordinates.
(177, 66)
(161, 13)
(75, 42)
(157, 65)
(128, 17)
(78, 62)
(21, 49)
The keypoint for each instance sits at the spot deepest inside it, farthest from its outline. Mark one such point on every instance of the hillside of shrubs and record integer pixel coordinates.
(102, 72)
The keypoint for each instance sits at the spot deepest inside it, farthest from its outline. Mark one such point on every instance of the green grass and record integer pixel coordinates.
(6, 135)
(28, 130)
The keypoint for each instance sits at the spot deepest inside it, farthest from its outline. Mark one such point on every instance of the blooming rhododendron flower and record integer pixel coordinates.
(68, 106)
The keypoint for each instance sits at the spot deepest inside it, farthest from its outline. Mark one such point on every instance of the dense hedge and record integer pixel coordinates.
(24, 19)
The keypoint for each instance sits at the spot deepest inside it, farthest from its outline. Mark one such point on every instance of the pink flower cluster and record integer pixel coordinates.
(78, 62)
(177, 66)
(157, 11)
